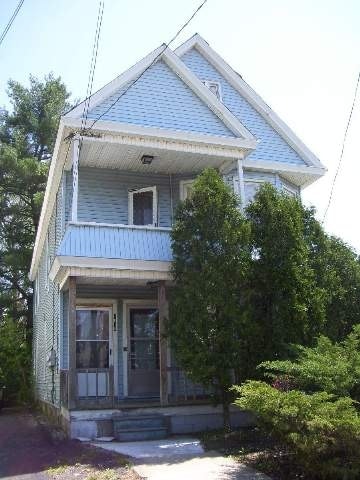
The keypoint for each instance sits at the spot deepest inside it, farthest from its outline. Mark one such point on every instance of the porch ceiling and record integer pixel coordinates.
(128, 157)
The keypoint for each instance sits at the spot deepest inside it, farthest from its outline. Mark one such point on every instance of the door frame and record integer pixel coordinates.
(112, 305)
(127, 305)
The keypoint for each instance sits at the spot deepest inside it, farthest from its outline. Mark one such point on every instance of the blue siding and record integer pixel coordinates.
(271, 147)
(103, 195)
(161, 99)
(116, 242)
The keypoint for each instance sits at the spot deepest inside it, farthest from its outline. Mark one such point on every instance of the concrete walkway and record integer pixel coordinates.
(181, 459)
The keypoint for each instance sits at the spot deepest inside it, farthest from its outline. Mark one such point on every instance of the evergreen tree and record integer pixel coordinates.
(27, 136)
(210, 242)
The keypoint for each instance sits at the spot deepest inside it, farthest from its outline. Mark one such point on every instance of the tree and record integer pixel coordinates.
(27, 137)
(285, 303)
(210, 242)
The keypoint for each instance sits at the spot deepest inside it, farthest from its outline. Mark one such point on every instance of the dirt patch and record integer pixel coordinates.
(29, 447)
(255, 449)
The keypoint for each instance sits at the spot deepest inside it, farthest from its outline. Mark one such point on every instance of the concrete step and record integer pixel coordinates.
(140, 434)
(139, 427)
(134, 421)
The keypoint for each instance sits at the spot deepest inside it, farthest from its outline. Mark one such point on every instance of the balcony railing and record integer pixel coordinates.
(131, 242)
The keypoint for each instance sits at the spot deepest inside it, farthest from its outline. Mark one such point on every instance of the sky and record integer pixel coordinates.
(301, 56)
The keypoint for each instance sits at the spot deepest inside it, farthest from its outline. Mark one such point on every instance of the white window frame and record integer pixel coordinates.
(213, 83)
(289, 191)
(155, 205)
(183, 185)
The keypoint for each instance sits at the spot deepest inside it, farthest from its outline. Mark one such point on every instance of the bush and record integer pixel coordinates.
(15, 361)
(330, 367)
(323, 431)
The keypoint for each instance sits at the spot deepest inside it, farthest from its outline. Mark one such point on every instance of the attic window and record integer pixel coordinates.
(214, 87)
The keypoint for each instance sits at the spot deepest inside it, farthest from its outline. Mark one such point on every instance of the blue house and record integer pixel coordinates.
(102, 256)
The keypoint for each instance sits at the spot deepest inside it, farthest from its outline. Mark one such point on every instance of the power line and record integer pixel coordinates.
(166, 45)
(93, 62)
(342, 149)
(7, 28)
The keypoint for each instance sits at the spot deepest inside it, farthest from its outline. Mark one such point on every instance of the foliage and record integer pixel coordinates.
(27, 138)
(337, 270)
(331, 367)
(15, 360)
(210, 242)
(285, 303)
(323, 431)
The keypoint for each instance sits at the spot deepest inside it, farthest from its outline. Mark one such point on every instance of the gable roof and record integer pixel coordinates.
(126, 82)
(235, 80)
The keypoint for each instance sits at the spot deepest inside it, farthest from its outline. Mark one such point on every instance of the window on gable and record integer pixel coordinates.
(143, 206)
(214, 87)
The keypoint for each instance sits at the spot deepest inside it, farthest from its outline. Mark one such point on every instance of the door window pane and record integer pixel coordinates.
(92, 354)
(143, 208)
(144, 323)
(92, 324)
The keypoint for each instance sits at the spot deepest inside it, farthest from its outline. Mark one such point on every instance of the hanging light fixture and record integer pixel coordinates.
(147, 159)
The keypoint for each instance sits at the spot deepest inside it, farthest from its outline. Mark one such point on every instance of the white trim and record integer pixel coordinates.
(241, 182)
(109, 267)
(251, 96)
(75, 172)
(186, 75)
(154, 206)
(183, 184)
(125, 130)
(271, 166)
(127, 304)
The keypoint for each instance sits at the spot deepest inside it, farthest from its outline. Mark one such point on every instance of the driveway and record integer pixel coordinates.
(28, 452)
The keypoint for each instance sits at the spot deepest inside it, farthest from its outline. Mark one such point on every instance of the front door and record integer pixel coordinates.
(94, 352)
(143, 363)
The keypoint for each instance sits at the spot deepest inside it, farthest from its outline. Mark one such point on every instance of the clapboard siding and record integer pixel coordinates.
(161, 99)
(271, 146)
(103, 195)
(116, 242)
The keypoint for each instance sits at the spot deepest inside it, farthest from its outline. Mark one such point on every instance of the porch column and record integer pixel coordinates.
(241, 182)
(72, 394)
(163, 343)
(75, 173)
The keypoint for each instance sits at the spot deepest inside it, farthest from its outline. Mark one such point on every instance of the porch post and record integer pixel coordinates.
(163, 343)
(241, 182)
(75, 173)
(72, 384)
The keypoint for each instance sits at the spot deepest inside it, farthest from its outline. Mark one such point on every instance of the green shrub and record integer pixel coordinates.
(323, 431)
(330, 367)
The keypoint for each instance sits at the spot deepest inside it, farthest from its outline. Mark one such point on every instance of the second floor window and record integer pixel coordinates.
(143, 206)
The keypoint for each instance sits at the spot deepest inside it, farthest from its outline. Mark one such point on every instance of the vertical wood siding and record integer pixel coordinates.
(161, 99)
(271, 147)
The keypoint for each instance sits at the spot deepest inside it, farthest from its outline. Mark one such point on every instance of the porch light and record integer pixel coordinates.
(147, 159)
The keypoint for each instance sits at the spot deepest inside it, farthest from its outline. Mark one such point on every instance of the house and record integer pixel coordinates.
(102, 254)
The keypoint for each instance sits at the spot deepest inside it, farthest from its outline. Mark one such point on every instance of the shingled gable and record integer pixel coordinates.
(166, 96)
(271, 129)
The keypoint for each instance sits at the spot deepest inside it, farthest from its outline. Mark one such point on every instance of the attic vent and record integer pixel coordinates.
(214, 87)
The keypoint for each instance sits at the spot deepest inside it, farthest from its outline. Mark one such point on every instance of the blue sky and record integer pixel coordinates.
(302, 57)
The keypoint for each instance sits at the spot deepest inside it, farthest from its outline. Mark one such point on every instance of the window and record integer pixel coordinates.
(143, 206)
(92, 338)
(214, 87)
(289, 191)
(186, 187)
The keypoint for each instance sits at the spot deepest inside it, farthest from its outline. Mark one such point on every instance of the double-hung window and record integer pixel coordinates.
(143, 206)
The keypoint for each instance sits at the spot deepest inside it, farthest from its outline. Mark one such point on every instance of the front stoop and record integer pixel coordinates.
(129, 428)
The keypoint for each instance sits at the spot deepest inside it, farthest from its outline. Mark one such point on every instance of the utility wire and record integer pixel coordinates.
(342, 149)
(7, 28)
(166, 45)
